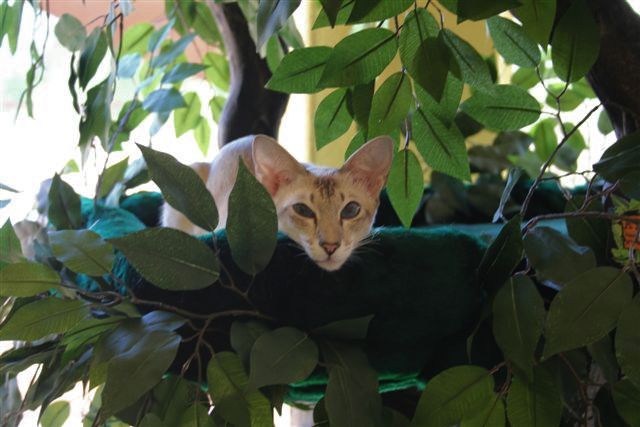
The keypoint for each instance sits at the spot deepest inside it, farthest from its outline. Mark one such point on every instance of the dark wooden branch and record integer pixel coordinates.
(250, 108)
(614, 76)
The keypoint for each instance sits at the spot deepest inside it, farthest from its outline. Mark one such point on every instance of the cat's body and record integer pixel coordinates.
(327, 211)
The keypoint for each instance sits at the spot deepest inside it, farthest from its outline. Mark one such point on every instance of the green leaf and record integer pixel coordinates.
(97, 118)
(217, 71)
(405, 186)
(183, 70)
(182, 188)
(526, 78)
(493, 415)
(234, 401)
(163, 101)
(359, 102)
(348, 329)
(377, 10)
(243, 335)
(505, 108)
(158, 36)
(576, 42)
(196, 416)
(513, 43)
(418, 26)
(351, 396)
(216, 104)
(64, 205)
(627, 400)
(70, 32)
(271, 17)
(204, 24)
(95, 47)
(27, 279)
(300, 70)
(556, 256)
(56, 414)
(134, 371)
(170, 259)
(475, 10)
(590, 232)
(473, 69)
(621, 159)
(331, 9)
(202, 134)
(341, 18)
(10, 20)
(544, 138)
(502, 257)
(82, 251)
(187, 118)
(518, 319)
(567, 157)
(628, 341)
(112, 176)
(41, 318)
(359, 58)
(433, 55)
(447, 107)
(586, 309)
(285, 355)
(172, 52)
(604, 123)
(537, 17)
(390, 105)
(602, 353)
(332, 118)
(136, 38)
(252, 223)
(10, 248)
(535, 403)
(441, 147)
(453, 395)
(128, 65)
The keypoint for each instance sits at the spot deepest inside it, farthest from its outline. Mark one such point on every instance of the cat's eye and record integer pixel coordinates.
(351, 210)
(303, 210)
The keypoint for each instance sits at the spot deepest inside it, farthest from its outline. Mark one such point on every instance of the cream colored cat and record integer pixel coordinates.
(325, 210)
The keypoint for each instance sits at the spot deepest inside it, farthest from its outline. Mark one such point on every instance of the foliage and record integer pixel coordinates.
(552, 299)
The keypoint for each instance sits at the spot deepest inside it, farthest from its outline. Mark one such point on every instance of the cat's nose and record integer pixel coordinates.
(330, 248)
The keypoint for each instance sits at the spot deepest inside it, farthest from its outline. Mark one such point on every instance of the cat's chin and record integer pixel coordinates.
(330, 264)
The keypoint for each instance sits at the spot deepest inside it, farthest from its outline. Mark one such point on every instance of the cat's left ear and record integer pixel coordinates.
(273, 166)
(371, 163)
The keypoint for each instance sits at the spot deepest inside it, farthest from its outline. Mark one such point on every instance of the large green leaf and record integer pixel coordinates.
(272, 16)
(163, 101)
(536, 402)
(492, 415)
(518, 319)
(590, 232)
(435, 56)
(182, 188)
(475, 10)
(170, 259)
(26, 279)
(351, 396)
(135, 370)
(300, 70)
(447, 107)
(217, 71)
(181, 71)
(513, 43)
(234, 401)
(10, 248)
(332, 118)
(628, 341)
(452, 395)
(556, 256)
(56, 414)
(202, 134)
(586, 309)
(359, 58)
(537, 17)
(243, 335)
(544, 138)
(172, 51)
(473, 69)
(331, 9)
(441, 147)
(390, 105)
(344, 11)
(187, 118)
(405, 185)
(576, 42)
(204, 23)
(95, 47)
(82, 251)
(359, 103)
(506, 107)
(419, 26)
(70, 32)
(196, 416)
(64, 205)
(282, 356)
(621, 159)
(43, 317)
(136, 38)
(626, 397)
(97, 114)
(111, 176)
(502, 257)
(377, 10)
(252, 223)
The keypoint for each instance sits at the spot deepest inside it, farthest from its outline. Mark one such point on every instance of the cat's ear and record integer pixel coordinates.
(371, 163)
(273, 166)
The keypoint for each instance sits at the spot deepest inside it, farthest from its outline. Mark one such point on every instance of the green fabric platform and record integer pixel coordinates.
(419, 284)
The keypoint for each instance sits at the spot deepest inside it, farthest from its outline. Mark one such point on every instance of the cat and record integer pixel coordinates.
(327, 211)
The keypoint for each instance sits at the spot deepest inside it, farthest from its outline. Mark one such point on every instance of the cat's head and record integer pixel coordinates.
(325, 210)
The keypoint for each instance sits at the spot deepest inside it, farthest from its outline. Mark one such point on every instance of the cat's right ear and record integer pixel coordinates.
(273, 166)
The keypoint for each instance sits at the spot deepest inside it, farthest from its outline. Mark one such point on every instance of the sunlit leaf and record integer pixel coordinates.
(506, 107)
(43, 317)
(300, 70)
(332, 118)
(513, 43)
(70, 32)
(26, 279)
